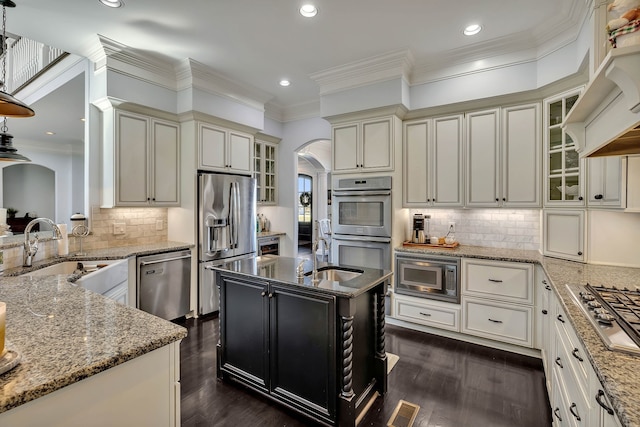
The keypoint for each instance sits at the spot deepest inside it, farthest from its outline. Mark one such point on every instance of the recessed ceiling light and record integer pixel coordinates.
(472, 30)
(308, 11)
(83, 119)
(50, 133)
(285, 82)
(112, 3)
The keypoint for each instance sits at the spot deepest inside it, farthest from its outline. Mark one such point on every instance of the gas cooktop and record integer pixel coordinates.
(614, 313)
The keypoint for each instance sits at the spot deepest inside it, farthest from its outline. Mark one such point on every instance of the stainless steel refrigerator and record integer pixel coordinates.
(226, 228)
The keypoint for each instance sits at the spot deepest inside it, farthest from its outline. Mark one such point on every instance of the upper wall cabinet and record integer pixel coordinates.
(564, 182)
(433, 162)
(146, 169)
(224, 150)
(503, 157)
(365, 145)
(265, 166)
(605, 182)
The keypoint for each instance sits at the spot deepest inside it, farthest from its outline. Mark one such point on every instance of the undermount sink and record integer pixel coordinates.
(334, 273)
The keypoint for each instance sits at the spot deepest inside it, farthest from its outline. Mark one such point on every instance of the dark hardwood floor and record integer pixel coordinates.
(455, 384)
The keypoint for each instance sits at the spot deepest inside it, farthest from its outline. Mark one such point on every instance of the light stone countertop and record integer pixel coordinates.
(618, 372)
(120, 252)
(65, 333)
(263, 234)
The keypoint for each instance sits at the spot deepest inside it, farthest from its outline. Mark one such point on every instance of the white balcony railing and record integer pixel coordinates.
(26, 60)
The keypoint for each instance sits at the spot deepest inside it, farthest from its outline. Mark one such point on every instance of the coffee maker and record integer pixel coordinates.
(417, 235)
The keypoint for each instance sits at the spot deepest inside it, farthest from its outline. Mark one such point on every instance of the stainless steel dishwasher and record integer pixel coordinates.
(164, 284)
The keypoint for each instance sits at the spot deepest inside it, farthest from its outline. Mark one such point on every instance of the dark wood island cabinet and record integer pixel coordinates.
(315, 348)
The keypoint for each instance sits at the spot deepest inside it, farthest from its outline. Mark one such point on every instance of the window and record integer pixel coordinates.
(304, 198)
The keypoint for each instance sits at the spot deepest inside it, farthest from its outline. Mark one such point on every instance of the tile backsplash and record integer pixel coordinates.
(497, 228)
(140, 226)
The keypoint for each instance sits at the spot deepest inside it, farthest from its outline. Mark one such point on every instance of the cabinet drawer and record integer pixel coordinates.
(576, 355)
(508, 323)
(505, 281)
(572, 397)
(428, 313)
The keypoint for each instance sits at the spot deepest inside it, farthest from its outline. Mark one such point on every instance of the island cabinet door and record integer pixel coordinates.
(302, 350)
(244, 308)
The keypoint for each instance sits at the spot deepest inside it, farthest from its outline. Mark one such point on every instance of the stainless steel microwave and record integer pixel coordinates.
(432, 277)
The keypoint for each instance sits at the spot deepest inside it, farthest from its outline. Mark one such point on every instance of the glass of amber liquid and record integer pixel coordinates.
(3, 321)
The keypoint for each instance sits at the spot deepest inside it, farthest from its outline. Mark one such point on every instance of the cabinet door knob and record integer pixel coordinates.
(148, 198)
(270, 294)
(559, 362)
(496, 199)
(598, 197)
(560, 318)
(544, 282)
(580, 198)
(545, 312)
(504, 199)
(580, 253)
(263, 293)
(548, 287)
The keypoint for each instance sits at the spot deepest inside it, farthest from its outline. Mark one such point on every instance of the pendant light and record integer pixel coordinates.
(9, 106)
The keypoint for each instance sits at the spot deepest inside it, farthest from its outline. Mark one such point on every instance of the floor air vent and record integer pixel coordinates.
(404, 415)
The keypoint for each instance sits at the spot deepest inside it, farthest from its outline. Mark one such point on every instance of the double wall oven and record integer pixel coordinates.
(361, 222)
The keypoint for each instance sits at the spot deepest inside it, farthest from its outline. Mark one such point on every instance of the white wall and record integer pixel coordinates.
(67, 164)
(613, 238)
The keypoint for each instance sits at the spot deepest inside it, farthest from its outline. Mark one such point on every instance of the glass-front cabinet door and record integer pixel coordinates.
(264, 171)
(564, 183)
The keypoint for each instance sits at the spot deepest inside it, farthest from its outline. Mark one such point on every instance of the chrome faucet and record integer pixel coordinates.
(31, 248)
(314, 249)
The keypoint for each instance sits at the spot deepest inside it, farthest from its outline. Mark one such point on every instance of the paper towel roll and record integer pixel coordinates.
(63, 243)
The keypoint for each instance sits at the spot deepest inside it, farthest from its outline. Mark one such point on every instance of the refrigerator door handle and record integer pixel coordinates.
(233, 215)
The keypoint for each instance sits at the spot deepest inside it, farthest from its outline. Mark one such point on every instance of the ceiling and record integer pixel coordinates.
(257, 43)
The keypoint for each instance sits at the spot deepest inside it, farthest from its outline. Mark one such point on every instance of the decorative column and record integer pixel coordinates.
(347, 356)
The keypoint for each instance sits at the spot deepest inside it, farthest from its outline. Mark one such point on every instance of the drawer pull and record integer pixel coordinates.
(263, 293)
(601, 403)
(555, 412)
(576, 355)
(545, 312)
(575, 414)
(544, 282)
(495, 280)
(425, 314)
(495, 321)
(559, 362)
(548, 287)
(560, 318)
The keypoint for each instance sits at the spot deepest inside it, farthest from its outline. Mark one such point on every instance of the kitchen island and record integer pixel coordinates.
(317, 348)
(86, 359)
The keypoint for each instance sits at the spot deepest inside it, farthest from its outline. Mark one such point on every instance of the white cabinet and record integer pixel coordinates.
(563, 234)
(427, 312)
(604, 182)
(521, 156)
(265, 163)
(497, 300)
(433, 162)
(365, 145)
(564, 184)
(543, 334)
(224, 150)
(147, 161)
(483, 158)
(503, 157)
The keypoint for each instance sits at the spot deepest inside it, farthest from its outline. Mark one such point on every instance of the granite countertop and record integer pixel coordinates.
(65, 333)
(284, 270)
(618, 372)
(103, 254)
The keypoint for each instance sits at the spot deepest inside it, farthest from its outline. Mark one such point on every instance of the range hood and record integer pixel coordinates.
(605, 121)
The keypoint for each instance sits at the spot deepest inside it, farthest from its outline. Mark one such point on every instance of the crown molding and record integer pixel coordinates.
(365, 72)
(199, 116)
(111, 55)
(193, 74)
(291, 113)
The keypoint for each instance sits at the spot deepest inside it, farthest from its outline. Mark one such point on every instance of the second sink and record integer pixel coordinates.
(335, 273)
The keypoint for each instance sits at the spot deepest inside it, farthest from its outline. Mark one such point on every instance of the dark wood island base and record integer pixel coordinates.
(316, 349)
